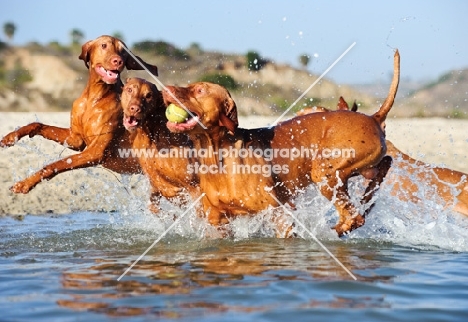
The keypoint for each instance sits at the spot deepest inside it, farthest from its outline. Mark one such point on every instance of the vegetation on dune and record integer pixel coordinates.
(258, 84)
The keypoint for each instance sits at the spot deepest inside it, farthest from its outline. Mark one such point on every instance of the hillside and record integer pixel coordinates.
(447, 96)
(49, 78)
(40, 78)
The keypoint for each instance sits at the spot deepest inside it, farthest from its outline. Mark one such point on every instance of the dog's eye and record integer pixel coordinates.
(104, 46)
(129, 89)
(148, 96)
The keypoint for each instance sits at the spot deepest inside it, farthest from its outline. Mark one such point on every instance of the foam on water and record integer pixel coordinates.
(422, 225)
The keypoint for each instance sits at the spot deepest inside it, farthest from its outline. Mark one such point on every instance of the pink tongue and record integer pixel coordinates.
(107, 75)
(187, 125)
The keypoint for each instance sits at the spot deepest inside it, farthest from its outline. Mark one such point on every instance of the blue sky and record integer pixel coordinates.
(431, 35)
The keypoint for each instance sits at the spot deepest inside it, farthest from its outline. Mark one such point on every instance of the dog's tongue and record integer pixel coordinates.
(181, 127)
(130, 121)
(108, 76)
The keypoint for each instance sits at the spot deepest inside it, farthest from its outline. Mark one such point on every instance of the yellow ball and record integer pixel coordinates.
(176, 114)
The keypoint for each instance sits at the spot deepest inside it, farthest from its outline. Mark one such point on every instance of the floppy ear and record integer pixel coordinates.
(85, 52)
(228, 115)
(132, 64)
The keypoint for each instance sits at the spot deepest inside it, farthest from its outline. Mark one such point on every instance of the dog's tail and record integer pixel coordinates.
(381, 114)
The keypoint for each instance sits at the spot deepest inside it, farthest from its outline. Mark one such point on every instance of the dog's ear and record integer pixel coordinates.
(138, 63)
(228, 115)
(85, 52)
(133, 64)
(354, 107)
(342, 105)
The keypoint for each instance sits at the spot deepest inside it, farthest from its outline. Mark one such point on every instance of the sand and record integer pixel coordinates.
(434, 140)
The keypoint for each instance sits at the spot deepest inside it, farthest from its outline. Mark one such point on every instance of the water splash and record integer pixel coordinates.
(424, 224)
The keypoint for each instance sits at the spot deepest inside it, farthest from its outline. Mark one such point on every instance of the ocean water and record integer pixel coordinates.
(409, 260)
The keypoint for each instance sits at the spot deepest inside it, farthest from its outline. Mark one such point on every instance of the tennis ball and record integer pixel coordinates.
(176, 114)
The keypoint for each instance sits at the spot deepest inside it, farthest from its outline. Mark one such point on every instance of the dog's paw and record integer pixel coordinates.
(154, 208)
(350, 224)
(21, 187)
(8, 140)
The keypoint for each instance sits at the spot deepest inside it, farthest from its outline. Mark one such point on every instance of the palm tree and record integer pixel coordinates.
(77, 36)
(9, 29)
(304, 59)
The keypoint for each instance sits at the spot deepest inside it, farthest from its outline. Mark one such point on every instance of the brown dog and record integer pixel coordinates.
(449, 185)
(236, 182)
(96, 117)
(160, 152)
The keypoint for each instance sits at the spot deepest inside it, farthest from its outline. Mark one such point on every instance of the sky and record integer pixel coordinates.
(430, 35)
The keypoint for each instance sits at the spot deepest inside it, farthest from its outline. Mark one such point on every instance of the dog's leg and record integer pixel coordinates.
(383, 167)
(350, 218)
(60, 135)
(337, 192)
(217, 219)
(284, 224)
(154, 201)
(92, 156)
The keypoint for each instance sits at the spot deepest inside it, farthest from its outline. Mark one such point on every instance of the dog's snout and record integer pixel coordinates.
(116, 62)
(135, 108)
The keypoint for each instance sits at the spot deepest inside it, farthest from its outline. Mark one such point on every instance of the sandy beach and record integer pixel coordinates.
(433, 140)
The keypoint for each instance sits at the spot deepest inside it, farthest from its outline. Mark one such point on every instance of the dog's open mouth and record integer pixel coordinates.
(130, 122)
(108, 76)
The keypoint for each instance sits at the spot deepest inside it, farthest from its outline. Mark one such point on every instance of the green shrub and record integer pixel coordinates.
(457, 114)
(18, 76)
(222, 79)
(2, 73)
(254, 61)
(161, 48)
(283, 104)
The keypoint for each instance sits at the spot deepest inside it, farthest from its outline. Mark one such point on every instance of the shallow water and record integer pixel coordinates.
(409, 260)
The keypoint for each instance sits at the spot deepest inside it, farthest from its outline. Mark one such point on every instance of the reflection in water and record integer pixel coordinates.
(406, 256)
(220, 276)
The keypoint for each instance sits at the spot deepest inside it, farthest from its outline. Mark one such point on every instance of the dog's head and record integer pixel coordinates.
(208, 104)
(140, 99)
(107, 56)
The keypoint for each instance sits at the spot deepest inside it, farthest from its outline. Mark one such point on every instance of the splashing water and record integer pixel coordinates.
(76, 259)
(425, 224)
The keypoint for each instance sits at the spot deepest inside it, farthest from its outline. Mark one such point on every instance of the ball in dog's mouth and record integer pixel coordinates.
(176, 114)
